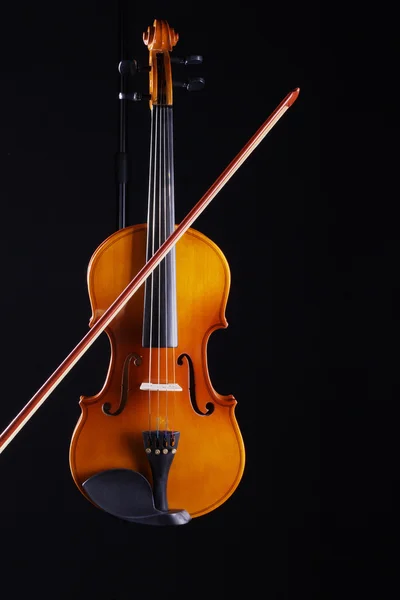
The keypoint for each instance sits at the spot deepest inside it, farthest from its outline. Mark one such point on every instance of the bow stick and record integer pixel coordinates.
(44, 392)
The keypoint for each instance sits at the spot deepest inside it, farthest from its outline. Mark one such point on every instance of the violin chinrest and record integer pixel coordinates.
(128, 495)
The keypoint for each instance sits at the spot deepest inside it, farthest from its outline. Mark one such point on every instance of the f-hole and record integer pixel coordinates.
(192, 387)
(137, 361)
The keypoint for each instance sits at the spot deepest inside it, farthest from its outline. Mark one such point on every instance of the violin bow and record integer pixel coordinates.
(52, 382)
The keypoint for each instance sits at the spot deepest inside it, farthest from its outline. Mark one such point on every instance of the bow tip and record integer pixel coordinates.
(293, 96)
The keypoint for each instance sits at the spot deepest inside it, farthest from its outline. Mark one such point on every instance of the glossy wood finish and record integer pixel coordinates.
(210, 459)
(160, 39)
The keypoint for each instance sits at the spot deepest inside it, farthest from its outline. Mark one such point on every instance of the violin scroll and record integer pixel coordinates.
(160, 39)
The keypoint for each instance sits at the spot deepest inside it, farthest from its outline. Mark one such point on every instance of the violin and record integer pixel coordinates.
(158, 414)
(157, 445)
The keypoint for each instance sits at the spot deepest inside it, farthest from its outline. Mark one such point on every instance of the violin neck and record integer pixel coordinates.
(160, 317)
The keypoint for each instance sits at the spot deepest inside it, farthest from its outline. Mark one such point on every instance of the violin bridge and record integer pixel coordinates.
(161, 387)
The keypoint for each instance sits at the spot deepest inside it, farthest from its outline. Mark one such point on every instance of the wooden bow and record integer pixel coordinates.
(44, 392)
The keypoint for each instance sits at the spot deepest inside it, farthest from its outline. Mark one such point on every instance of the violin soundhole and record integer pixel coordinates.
(192, 388)
(137, 361)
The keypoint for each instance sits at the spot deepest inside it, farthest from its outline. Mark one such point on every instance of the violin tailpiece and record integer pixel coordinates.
(160, 447)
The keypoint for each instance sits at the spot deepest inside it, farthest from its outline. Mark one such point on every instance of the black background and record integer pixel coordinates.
(311, 352)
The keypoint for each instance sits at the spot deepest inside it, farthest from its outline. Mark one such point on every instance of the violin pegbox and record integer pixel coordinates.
(160, 40)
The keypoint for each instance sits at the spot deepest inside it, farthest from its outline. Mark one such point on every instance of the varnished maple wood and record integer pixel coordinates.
(160, 38)
(210, 459)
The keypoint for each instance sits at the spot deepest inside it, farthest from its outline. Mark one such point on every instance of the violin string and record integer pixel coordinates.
(150, 232)
(161, 199)
(159, 206)
(173, 251)
(166, 199)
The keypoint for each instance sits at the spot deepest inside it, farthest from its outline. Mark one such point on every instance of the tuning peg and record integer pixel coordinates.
(194, 59)
(134, 96)
(131, 67)
(194, 84)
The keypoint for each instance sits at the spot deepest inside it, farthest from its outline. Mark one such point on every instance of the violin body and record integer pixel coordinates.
(209, 461)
